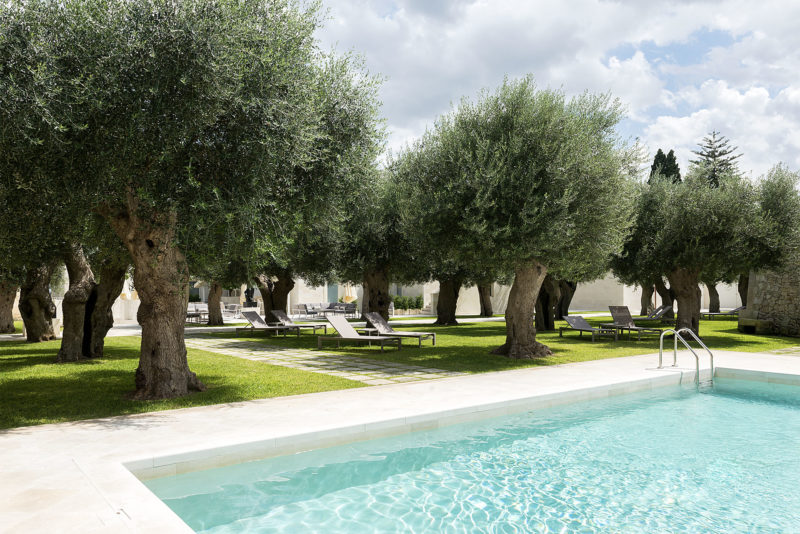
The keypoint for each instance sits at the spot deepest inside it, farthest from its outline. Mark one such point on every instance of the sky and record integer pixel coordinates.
(682, 68)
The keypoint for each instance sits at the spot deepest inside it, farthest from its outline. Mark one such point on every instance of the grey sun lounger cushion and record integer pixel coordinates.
(624, 321)
(576, 322)
(285, 320)
(258, 324)
(383, 328)
(348, 333)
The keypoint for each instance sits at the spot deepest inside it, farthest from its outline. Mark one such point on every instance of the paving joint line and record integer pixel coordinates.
(363, 370)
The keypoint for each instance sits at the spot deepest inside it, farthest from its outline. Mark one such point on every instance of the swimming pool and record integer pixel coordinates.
(668, 460)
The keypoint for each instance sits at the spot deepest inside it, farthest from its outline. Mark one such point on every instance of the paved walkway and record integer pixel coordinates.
(373, 372)
(70, 477)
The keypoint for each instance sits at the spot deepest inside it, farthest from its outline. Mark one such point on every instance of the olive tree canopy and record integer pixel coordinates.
(161, 116)
(533, 182)
(693, 230)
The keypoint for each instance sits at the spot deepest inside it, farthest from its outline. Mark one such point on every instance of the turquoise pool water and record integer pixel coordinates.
(671, 460)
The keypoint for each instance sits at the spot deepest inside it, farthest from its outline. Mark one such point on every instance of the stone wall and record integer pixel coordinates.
(773, 302)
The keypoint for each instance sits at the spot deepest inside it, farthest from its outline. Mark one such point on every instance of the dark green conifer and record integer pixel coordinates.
(666, 166)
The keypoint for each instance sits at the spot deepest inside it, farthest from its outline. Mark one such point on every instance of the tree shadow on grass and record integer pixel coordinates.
(31, 356)
(96, 394)
(103, 393)
(37, 399)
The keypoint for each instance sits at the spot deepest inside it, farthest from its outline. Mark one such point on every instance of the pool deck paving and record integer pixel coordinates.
(82, 476)
(366, 370)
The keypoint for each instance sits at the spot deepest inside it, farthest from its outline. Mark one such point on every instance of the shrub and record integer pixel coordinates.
(407, 303)
(400, 302)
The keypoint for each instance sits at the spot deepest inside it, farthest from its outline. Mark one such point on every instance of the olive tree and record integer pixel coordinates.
(429, 221)
(691, 231)
(30, 252)
(303, 243)
(309, 252)
(538, 183)
(110, 263)
(309, 244)
(374, 251)
(8, 293)
(164, 114)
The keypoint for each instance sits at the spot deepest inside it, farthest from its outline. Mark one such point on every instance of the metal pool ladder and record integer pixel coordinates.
(678, 336)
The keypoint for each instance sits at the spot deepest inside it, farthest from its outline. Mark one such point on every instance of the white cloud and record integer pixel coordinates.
(435, 52)
(766, 129)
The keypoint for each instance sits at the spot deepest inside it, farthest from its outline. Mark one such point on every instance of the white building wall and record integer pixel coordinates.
(430, 295)
(600, 294)
(728, 296)
(302, 293)
(469, 301)
(631, 297)
(15, 308)
(125, 310)
(591, 296)
(500, 298)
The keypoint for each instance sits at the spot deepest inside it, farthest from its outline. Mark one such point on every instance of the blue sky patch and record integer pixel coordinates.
(685, 53)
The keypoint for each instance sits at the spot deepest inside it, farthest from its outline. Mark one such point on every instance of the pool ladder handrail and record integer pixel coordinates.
(685, 344)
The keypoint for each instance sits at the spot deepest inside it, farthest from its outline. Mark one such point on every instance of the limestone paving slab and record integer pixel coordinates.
(78, 477)
(316, 361)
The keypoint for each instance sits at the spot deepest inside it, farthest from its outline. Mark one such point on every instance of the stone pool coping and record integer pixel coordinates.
(82, 476)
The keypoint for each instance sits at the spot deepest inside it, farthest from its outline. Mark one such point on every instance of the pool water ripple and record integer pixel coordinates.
(663, 461)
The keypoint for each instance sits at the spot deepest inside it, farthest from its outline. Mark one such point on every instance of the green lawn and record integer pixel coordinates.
(466, 347)
(35, 390)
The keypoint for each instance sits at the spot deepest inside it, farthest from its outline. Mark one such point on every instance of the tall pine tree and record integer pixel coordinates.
(666, 166)
(658, 164)
(717, 155)
(671, 168)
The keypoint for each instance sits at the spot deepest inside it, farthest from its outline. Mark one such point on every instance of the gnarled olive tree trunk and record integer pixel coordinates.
(547, 303)
(106, 292)
(520, 332)
(647, 295)
(376, 286)
(214, 305)
(485, 296)
(275, 291)
(81, 285)
(744, 284)
(667, 296)
(8, 292)
(449, 288)
(36, 306)
(567, 289)
(686, 284)
(161, 277)
(713, 297)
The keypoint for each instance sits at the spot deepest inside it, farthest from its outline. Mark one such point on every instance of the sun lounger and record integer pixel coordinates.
(257, 324)
(196, 312)
(658, 313)
(381, 327)
(348, 333)
(623, 321)
(285, 320)
(730, 313)
(576, 322)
